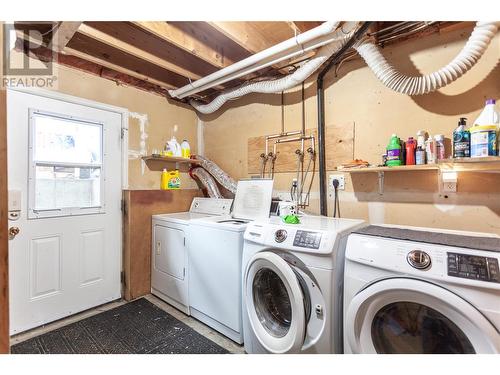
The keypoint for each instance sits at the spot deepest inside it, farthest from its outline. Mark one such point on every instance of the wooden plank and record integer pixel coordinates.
(118, 68)
(137, 52)
(63, 34)
(254, 36)
(124, 60)
(139, 206)
(339, 141)
(304, 26)
(136, 36)
(189, 37)
(4, 241)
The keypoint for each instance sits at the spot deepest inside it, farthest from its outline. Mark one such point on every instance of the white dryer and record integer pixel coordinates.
(169, 256)
(417, 290)
(292, 284)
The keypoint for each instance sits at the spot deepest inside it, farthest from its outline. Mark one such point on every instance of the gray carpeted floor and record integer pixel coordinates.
(134, 328)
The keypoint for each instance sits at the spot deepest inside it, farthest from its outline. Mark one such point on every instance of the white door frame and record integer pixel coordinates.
(124, 112)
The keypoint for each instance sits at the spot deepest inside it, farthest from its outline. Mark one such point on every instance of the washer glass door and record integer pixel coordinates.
(415, 317)
(277, 306)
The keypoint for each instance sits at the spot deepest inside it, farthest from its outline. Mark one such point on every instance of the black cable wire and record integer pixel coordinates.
(336, 202)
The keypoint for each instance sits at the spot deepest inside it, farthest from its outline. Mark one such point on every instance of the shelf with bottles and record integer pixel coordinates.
(157, 163)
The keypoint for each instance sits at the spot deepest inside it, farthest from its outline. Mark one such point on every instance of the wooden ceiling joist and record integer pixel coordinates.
(133, 50)
(129, 33)
(118, 58)
(63, 34)
(187, 36)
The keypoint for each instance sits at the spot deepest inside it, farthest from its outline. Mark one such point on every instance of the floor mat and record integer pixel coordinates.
(137, 327)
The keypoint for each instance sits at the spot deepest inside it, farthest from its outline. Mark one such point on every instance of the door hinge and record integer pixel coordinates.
(184, 241)
(184, 272)
(123, 206)
(122, 277)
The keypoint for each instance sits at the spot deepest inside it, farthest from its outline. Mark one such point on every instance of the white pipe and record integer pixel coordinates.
(282, 51)
(479, 40)
(286, 82)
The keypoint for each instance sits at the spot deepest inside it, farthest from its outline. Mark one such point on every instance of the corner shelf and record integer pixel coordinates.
(157, 163)
(489, 164)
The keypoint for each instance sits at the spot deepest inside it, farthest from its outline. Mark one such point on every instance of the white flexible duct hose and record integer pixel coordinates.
(284, 83)
(479, 40)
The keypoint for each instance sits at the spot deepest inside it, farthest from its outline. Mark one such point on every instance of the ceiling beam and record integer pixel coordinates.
(137, 52)
(63, 34)
(118, 68)
(187, 38)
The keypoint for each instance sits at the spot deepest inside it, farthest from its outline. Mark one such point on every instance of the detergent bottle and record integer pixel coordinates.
(484, 133)
(175, 147)
(394, 151)
(185, 149)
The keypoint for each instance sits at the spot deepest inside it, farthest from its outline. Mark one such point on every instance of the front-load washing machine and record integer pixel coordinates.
(417, 290)
(292, 285)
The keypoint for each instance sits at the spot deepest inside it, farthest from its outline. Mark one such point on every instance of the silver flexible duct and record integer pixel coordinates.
(285, 83)
(478, 42)
(208, 181)
(222, 177)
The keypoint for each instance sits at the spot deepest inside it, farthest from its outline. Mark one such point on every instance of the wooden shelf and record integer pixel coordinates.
(399, 168)
(486, 164)
(157, 163)
(490, 164)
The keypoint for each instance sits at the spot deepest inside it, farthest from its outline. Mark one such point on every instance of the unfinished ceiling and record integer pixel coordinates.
(157, 56)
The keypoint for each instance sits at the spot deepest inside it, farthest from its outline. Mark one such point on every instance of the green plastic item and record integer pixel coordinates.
(291, 219)
(394, 151)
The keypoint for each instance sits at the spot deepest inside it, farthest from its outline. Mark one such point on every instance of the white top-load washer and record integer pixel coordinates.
(215, 248)
(169, 257)
(292, 284)
(418, 290)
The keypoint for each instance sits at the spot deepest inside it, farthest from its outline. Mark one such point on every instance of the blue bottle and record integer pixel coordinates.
(461, 140)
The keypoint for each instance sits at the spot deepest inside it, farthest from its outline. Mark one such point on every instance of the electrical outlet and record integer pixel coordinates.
(338, 177)
(449, 180)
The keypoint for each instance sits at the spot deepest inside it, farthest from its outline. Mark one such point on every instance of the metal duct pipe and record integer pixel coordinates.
(222, 177)
(287, 82)
(320, 97)
(478, 42)
(206, 180)
(282, 51)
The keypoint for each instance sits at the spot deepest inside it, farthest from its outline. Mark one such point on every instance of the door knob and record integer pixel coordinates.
(13, 231)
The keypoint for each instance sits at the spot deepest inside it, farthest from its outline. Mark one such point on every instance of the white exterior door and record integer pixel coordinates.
(64, 169)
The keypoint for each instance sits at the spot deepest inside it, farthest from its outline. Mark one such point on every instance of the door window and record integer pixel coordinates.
(66, 166)
(413, 328)
(272, 303)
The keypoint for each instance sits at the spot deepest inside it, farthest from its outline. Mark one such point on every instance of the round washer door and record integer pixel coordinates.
(275, 303)
(412, 316)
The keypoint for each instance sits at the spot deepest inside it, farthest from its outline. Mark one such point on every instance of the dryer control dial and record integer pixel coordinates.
(280, 235)
(419, 259)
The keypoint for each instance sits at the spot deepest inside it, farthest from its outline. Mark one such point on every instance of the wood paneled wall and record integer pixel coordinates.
(139, 206)
(4, 241)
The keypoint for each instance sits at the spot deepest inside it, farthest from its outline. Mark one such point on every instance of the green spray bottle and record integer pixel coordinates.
(394, 151)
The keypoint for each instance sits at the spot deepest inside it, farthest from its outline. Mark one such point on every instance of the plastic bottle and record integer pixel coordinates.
(420, 150)
(439, 145)
(430, 150)
(393, 151)
(411, 146)
(175, 147)
(461, 140)
(164, 179)
(185, 149)
(484, 133)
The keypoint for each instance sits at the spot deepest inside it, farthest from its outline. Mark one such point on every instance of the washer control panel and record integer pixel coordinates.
(307, 239)
(473, 267)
